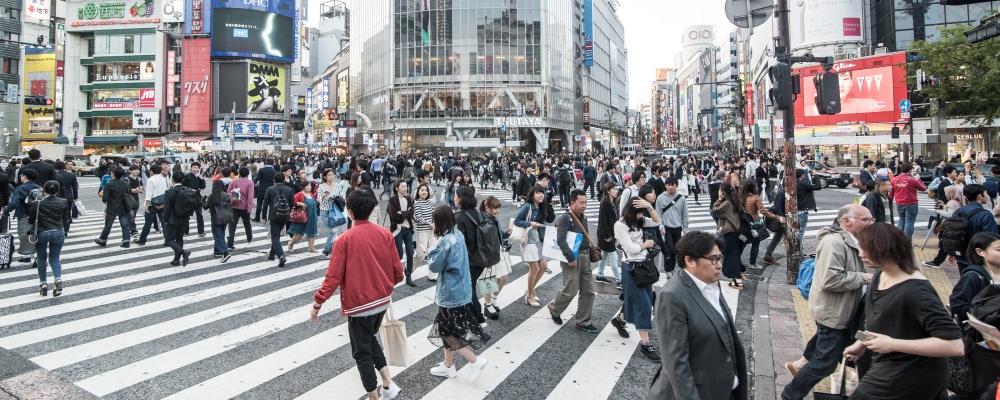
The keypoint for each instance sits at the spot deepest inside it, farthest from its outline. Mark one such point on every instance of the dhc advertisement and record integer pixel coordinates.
(263, 29)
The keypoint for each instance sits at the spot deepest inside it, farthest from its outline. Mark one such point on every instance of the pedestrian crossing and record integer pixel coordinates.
(130, 326)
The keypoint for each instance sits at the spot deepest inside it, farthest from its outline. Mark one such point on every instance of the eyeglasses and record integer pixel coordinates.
(716, 260)
(866, 220)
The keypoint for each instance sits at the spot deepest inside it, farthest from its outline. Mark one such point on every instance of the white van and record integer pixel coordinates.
(631, 150)
(671, 153)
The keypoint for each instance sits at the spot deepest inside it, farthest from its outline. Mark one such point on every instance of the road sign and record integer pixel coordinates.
(904, 105)
(904, 115)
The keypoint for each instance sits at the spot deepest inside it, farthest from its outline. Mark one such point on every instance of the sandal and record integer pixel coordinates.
(43, 289)
(58, 290)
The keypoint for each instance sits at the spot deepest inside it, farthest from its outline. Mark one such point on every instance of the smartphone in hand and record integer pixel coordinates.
(863, 336)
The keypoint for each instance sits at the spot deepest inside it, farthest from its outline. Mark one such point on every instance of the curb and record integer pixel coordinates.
(763, 356)
(22, 379)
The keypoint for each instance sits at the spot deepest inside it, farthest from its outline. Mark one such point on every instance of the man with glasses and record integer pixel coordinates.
(838, 278)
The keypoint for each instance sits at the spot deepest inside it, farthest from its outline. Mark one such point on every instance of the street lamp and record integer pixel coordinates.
(76, 130)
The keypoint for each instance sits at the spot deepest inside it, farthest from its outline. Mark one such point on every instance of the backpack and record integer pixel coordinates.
(487, 251)
(33, 196)
(564, 177)
(282, 211)
(223, 212)
(186, 202)
(955, 233)
(805, 280)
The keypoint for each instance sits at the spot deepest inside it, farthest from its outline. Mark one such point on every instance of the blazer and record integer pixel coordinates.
(264, 179)
(704, 353)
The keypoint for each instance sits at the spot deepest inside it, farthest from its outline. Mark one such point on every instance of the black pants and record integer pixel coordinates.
(201, 221)
(276, 249)
(474, 273)
(239, 214)
(261, 208)
(564, 189)
(376, 175)
(589, 183)
(151, 215)
(174, 235)
(669, 242)
(365, 349)
(404, 245)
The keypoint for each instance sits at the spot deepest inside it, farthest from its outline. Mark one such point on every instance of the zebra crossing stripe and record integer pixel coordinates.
(584, 380)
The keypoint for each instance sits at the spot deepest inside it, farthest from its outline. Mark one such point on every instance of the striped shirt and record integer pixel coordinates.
(422, 210)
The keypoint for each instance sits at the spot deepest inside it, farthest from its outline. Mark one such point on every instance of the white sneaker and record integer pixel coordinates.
(390, 393)
(443, 371)
(478, 367)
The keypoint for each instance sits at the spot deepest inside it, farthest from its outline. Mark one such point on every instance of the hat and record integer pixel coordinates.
(626, 177)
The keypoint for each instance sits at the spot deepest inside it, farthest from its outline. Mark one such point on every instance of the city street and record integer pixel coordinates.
(129, 326)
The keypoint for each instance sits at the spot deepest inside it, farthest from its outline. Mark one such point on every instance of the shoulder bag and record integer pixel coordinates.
(595, 253)
(33, 235)
(517, 233)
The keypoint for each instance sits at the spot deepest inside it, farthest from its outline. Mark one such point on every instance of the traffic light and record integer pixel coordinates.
(895, 132)
(781, 86)
(827, 93)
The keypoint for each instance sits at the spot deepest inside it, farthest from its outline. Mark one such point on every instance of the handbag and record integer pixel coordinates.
(595, 253)
(489, 283)
(80, 208)
(298, 215)
(33, 235)
(517, 233)
(644, 273)
(974, 370)
(394, 341)
(131, 203)
(334, 217)
(157, 202)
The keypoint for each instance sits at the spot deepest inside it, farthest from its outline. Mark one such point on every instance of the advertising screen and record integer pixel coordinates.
(870, 91)
(265, 87)
(251, 33)
(39, 75)
(814, 22)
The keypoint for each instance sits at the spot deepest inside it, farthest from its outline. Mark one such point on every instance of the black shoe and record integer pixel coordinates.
(175, 263)
(140, 243)
(201, 234)
(588, 328)
(24, 259)
(231, 247)
(555, 318)
(225, 257)
(43, 289)
(99, 243)
(326, 253)
(125, 245)
(493, 314)
(602, 279)
(620, 326)
(185, 256)
(58, 290)
(281, 262)
(270, 257)
(249, 238)
(409, 282)
(649, 352)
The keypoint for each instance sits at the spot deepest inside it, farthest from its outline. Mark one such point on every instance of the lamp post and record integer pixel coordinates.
(76, 130)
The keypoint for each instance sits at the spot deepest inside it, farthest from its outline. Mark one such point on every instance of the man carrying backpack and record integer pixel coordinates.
(179, 203)
(24, 193)
(957, 230)
(577, 272)
(278, 200)
(565, 182)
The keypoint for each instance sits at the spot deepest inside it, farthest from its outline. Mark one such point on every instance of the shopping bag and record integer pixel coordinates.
(335, 217)
(394, 342)
(842, 384)
(487, 283)
(80, 208)
(551, 250)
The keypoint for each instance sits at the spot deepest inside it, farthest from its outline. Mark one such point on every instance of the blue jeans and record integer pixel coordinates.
(122, 221)
(610, 257)
(405, 239)
(331, 233)
(803, 222)
(48, 249)
(907, 218)
(824, 353)
(639, 300)
(219, 236)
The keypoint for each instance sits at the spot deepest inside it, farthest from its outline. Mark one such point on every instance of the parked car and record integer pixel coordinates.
(826, 175)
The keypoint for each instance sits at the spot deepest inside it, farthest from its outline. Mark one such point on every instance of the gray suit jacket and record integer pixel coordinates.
(701, 352)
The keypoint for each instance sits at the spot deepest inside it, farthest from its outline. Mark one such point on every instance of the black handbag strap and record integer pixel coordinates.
(582, 228)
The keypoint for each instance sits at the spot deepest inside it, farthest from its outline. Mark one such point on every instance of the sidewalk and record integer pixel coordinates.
(21, 379)
(788, 325)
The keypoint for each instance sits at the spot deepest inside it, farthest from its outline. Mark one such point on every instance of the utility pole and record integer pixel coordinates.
(793, 245)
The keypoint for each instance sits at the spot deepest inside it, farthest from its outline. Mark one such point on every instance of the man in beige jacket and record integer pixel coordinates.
(838, 278)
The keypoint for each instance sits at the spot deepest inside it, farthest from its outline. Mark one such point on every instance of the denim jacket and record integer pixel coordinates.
(521, 219)
(450, 259)
(16, 203)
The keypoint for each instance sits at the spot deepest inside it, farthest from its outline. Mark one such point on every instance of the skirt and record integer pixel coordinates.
(530, 252)
(455, 328)
(732, 265)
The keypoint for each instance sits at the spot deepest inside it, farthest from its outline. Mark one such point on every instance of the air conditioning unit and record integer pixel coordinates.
(881, 50)
(843, 56)
(864, 51)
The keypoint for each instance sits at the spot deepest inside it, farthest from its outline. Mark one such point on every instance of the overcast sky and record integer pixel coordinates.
(652, 36)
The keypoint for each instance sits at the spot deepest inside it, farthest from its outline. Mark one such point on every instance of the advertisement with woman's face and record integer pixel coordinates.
(861, 91)
(870, 91)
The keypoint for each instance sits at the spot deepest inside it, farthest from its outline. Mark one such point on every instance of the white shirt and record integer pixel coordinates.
(712, 293)
(156, 186)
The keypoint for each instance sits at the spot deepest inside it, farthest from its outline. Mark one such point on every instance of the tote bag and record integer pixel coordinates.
(394, 341)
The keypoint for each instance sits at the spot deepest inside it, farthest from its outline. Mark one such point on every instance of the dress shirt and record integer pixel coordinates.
(713, 295)
(156, 186)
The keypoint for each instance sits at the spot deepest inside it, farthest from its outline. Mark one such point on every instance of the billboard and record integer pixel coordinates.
(663, 74)
(265, 86)
(146, 119)
(814, 22)
(588, 33)
(870, 90)
(38, 80)
(37, 12)
(250, 129)
(114, 13)
(197, 17)
(343, 92)
(196, 87)
(255, 29)
(172, 10)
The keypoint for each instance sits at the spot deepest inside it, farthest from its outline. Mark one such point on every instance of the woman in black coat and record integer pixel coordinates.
(606, 219)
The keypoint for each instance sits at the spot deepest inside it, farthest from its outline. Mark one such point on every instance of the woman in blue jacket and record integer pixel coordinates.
(455, 327)
(531, 253)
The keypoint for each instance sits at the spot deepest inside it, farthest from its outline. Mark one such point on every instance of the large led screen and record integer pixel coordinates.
(870, 91)
(238, 32)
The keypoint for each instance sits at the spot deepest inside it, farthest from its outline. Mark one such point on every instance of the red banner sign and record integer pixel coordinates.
(195, 85)
(749, 98)
(152, 143)
(147, 98)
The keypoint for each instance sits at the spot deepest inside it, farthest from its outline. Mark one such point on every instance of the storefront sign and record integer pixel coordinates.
(244, 129)
(326, 93)
(195, 100)
(145, 119)
(114, 132)
(342, 92)
(975, 136)
(37, 12)
(147, 98)
(517, 122)
(38, 81)
(115, 105)
(749, 99)
(116, 12)
(152, 143)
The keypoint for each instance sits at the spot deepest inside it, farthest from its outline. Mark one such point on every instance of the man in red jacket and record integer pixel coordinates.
(365, 266)
(904, 194)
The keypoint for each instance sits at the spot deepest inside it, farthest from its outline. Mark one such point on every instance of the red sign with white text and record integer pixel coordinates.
(196, 86)
(749, 98)
(147, 98)
(870, 91)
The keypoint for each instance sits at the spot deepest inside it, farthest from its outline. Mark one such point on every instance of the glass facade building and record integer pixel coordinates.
(458, 70)
(898, 23)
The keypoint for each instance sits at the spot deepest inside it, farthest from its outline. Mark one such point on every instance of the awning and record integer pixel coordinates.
(61, 140)
(192, 139)
(109, 139)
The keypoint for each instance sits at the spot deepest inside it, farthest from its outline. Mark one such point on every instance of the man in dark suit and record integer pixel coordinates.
(704, 358)
(657, 179)
(45, 171)
(196, 182)
(70, 190)
(263, 181)
(175, 225)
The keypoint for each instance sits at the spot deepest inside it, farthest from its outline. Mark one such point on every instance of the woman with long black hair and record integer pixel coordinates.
(727, 210)
(46, 216)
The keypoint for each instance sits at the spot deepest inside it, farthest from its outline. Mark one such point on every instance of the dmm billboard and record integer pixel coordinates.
(251, 89)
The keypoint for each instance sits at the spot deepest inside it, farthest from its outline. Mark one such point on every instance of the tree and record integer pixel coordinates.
(966, 76)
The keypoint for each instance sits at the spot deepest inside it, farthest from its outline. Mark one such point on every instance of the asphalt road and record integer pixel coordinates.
(129, 326)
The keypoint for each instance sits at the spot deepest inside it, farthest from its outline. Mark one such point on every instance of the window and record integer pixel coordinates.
(10, 65)
(129, 44)
(90, 47)
(148, 44)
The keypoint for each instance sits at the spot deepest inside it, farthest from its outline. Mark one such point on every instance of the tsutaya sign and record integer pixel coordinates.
(518, 121)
